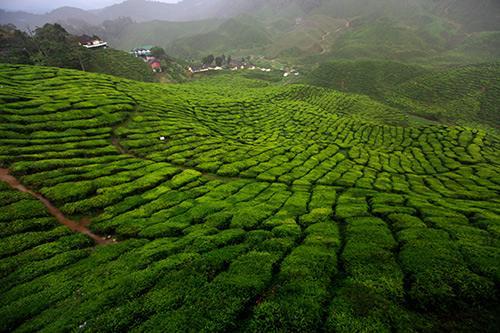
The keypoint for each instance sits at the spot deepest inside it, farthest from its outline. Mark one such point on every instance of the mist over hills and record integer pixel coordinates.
(476, 15)
(300, 31)
(137, 10)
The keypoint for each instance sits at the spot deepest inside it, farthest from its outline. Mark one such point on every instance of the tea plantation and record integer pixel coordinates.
(240, 205)
(459, 95)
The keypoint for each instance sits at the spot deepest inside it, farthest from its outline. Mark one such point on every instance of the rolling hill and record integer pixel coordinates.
(230, 204)
(368, 77)
(464, 95)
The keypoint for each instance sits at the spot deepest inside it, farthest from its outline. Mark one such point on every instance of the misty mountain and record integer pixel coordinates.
(137, 10)
(310, 30)
(476, 15)
(317, 30)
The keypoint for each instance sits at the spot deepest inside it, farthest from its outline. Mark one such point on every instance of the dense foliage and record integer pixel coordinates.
(265, 208)
(15, 46)
(52, 45)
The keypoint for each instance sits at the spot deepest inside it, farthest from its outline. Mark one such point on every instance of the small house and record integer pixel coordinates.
(142, 51)
(235, 64)
(92, 42)
(199, 69)
(155, 66)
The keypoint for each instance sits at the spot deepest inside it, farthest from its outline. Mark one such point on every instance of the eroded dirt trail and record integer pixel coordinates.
(13, 182)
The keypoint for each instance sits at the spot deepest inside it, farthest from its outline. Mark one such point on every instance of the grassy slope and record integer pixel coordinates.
(386, 38)
(464, 94)
(368, 77)
(266, 208)
(119, 63)
(476, 48)
(454, 95)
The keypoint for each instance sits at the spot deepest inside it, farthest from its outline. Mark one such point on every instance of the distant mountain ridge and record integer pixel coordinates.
(311, 30)
(137, 10)
(477, 15)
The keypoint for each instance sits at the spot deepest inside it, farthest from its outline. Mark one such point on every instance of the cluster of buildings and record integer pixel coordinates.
(290, 72)
(144, 52)
(234, 65)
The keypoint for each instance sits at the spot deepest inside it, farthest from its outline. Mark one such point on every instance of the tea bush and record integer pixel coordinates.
(241, 205)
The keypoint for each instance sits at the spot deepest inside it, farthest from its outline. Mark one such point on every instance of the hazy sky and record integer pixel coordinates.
(41, 6)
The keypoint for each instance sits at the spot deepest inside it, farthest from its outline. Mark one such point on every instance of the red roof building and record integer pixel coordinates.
(155, 66)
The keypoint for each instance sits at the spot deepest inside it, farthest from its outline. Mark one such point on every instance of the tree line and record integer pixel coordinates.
(50, 45)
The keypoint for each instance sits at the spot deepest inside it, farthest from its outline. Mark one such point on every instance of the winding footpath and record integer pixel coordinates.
(13, 182)
(324, 46)
(323, 39)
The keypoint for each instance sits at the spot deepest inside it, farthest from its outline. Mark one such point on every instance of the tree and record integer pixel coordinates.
(158, 52)
(208, 60)
(15, 46)
(57, 48)
(219, 61)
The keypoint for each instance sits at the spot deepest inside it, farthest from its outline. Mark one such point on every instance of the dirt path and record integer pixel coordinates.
(6, 177)
(323, 39)
(325, 36)
(324, 46)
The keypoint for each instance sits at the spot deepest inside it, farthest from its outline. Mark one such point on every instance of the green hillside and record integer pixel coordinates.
(387, 38)
(233, 36)
(235, 205)
(118, 63)
(464, 95)
(311, 32)
(476, 48)
(368, 77)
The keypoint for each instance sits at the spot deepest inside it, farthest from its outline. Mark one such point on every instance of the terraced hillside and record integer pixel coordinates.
(229, 204)
(460, 95)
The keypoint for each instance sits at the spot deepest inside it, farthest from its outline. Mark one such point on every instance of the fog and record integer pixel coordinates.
(37, 6)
